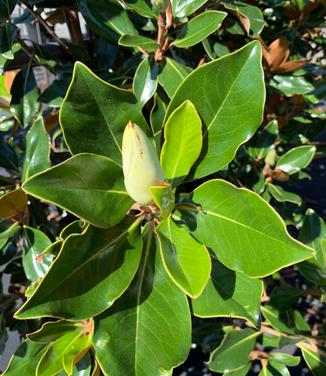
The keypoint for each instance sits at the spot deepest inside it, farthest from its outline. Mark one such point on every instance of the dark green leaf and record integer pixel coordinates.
(92, 270)
(145, 80)
(278, 320)
(37, 150)
(282, 195)
(199, 28)
(229, 294)
(229, 95)
(6, 8)
(263, 142)
(51, 331)
(253, 239)
(296, 159)
(94, 114)
(147, 44)
(184, 8)
(153, 316)
(89, 186)
(7, 37)
(290, 85)
(234, 350)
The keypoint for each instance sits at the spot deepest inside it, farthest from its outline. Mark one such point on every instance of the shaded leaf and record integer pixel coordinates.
(145, 80)
(282, 195)
(290, 85)
(148, 44)
(13, 203)
(296, 159)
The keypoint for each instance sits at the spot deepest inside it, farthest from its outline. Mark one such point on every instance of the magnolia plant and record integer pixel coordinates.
(172, 239)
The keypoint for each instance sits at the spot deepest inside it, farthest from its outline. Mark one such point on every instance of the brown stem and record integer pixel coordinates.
(72, 20)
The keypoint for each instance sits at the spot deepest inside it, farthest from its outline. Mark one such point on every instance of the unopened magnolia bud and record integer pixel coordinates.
(160, 4)
(141, 166)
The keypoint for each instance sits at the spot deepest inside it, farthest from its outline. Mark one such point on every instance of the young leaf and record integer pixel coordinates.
(99, 198)
(139, 41)
(182, 142)
(92, 270)
(94, 114)
(229, 294)
(153, 316)
(252, 240)
(145, 80)
(199, 28)
(37, 150)
(234, 350)
(296, 159)
(186, 261)
(282, 195)
(172, 75)
(229, 95)
(34, 243)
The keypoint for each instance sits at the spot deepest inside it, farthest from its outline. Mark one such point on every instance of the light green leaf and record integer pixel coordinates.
(37, 152)
(64, 352)
(184, 8)
(282, 195)
(315, 359)
(229, 294)
(153, 316)
(107, 18)
(234, 350)
(172, 75)
(229, 95)
(34, 243)
(25, 359)
(286, 359)
(92, 270)
(94, 114)
(245, 233)
(199, 28)
(141, 7)
(290, 85)
(99, 198)
(296, 159)
(145, 80)
(182, 142)
(250, 16)
(164, 198)
(139, 41)
(186, 261)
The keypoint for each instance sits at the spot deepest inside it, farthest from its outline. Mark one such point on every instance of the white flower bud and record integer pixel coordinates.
(141, 166)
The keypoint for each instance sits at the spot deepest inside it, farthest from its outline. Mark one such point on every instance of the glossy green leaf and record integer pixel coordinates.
(172, 75)
(156, 119)
(234, 350)
(145, 80)
(245, 233)
(315, 359)
(263, 141)
(34, 243)
(64, 352)
(98, 197)
(92, 270)
(229, 294)
(106, 18)
(199, 28)
(290, 85)
(51, 330)
(282, 195)
(24, 94)
(75, 227)
(6, 8)
(153, 316)
(13, 203)
(184, 8)
(182, 142)
(37, 152)
(296, 159)
(7, 232)
(186, 261)
(229, 95)
(139, 41)
(250, 16)
(278, 319)
(286, 359)
(94, 114)
(164, 198)
(141, 7)
(25, 359)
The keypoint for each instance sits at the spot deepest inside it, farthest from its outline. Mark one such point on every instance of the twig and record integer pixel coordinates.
(38, 17)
